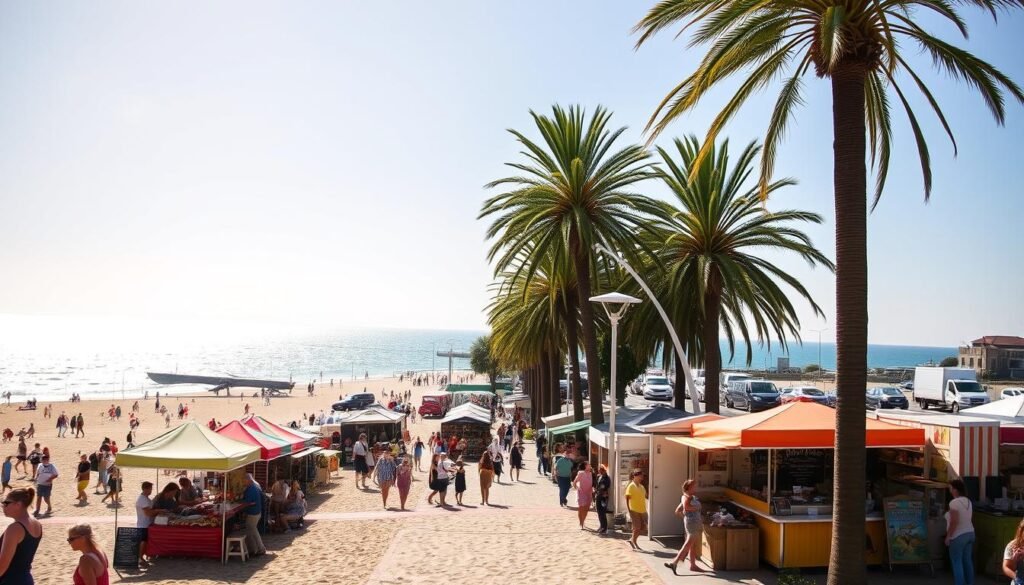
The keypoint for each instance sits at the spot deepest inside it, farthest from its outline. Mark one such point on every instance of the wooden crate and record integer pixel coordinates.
(741, 549)
(713, 549)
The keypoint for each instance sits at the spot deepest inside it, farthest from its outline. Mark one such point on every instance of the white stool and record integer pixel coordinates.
(241, 552)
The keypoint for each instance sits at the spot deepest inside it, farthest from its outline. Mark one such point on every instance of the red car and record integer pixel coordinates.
(434, 405)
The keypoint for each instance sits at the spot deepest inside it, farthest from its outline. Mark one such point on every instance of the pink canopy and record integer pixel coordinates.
(295, 439)
(270, 447)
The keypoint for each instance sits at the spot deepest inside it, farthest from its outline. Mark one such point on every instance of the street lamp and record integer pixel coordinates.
(819, 331)
(615, 305)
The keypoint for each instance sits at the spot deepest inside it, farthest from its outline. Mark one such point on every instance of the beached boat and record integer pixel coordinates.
(220, 382)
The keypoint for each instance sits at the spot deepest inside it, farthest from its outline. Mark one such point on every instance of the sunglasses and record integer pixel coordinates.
(72, 538)
(6, 502)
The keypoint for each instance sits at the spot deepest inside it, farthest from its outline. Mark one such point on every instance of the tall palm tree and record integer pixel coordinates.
(856, 45)
(712, 247)
(573, 191)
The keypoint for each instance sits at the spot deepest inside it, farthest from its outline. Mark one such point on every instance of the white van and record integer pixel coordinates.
(727, 380)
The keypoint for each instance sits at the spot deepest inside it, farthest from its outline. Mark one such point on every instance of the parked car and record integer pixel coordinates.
(908, 385)
(657, 388)
(886, 397)
(698, 382)
(434, 405)
(752, 395)
(563, 386)
(803, 394)
(354, 402)
(726, 380)
(1011, 392)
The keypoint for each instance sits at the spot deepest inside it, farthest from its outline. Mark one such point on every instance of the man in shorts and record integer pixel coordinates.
(144, 517)
(636, 502)
(45, 474)
(359, 452)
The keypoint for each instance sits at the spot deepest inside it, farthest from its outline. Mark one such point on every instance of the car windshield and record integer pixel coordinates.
(657, 381)
(811, 392)
(892, 392)
(966, 386)
(762, 388)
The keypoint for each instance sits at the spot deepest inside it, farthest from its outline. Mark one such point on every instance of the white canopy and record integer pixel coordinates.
(1007, 409)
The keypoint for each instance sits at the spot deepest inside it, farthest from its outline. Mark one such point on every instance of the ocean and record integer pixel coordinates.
(51, 357)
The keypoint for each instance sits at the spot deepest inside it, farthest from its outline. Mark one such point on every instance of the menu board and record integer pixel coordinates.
(802, 467)
(906, 530)
(126, 546)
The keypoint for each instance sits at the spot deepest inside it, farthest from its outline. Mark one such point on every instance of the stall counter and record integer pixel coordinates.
(188, 541)
(803, 540)
(993, 532)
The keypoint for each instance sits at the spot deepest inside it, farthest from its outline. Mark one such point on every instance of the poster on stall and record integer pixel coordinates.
(630, 459)
(906, 530)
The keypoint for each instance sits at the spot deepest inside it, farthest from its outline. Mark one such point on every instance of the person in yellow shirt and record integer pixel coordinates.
(636, 502)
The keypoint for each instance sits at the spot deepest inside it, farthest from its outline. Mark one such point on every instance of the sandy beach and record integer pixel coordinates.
(348, 532)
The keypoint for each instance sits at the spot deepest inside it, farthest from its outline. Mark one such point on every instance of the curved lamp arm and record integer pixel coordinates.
(680, 354)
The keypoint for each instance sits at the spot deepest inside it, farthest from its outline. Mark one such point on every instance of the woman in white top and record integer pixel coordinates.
(960, 534)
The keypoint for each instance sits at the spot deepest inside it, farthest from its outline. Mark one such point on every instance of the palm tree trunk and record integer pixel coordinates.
(712, 348)
(582, 260)
(570, 317)
(846, 563)
(542, 385)
(553, 377)
(531, 381)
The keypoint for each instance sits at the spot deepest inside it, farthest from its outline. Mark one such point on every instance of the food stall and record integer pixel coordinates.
(266, 470)
(469, 422)
(299, 464)
(192, 446)
(520, 401)
(776, 467)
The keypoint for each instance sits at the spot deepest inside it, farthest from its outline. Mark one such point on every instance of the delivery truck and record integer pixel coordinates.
(950, 388)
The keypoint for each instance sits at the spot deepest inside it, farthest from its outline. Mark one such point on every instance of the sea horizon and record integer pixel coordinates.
(51, 357)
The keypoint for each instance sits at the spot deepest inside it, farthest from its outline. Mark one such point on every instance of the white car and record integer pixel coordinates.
(657, 388)
(1011, 392)
(699, 383)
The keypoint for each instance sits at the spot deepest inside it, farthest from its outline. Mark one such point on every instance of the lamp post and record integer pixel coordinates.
(615, 305)
(680, 354)
(819, 331)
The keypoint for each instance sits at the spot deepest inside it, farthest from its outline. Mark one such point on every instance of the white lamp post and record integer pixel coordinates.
(615, 305)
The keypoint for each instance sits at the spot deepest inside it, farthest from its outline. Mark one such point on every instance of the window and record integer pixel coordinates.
(972, 363)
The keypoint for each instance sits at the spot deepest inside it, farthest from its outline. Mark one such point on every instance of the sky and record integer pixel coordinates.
(325, 161)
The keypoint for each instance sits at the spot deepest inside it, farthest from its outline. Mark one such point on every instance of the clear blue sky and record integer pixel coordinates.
(325, 161)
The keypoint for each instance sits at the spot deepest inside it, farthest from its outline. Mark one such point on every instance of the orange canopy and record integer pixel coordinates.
(797, 425)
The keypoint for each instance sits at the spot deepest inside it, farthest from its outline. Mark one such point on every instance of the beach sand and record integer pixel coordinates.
(348, 533)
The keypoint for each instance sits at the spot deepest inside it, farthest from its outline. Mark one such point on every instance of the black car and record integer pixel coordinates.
(752, 395)
(886, 397)
(355, 402)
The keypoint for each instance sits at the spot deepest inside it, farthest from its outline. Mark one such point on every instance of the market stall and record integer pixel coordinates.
(379, 424)
(201, 530)
(469, 422)
(520, 401)
(775, 467)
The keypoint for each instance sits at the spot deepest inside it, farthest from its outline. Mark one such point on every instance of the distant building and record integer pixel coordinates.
(998, 356)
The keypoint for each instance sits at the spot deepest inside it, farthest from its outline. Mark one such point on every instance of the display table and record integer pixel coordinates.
(800, 541)
(189, 541)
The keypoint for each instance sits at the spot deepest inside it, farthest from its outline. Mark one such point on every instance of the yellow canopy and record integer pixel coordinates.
(190, 446)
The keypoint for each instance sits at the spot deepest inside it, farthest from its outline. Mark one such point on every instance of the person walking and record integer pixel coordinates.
(359, 453)
(584, 485)
(114, 485)
(5, 474)
(22, 456)
(563, 474)
(432, 478)
(80, 426)
(960, 534)
(62, 425)
(92, 565)
(541, 443)
(384, 474)
(45, 475)
(516, 460)
(460, 481)
(444, 474)
(20, 539)
(601, 488)
(144, 512)
(499, 460)
(83, 480)
(35, 457)
(404, 479)
(486, 477)
(417, 453)
(636, 503)
(253, 499)
(689, 510)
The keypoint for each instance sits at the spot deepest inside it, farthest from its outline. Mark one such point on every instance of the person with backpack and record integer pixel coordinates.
(432, 478)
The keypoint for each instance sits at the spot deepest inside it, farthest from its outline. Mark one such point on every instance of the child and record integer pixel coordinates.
(5, 475)
(498, 460)
(460, 481)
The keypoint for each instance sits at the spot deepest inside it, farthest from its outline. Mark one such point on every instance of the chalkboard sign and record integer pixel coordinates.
(906, 530)
(802, 467)
(126, 547)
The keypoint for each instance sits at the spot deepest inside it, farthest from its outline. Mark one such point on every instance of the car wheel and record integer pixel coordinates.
(923, 404)
(728, 403)
(750, 406)
(955, 408)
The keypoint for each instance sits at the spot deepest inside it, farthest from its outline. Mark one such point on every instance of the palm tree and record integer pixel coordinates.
(711, 249)
(856, 46)
(572, 193)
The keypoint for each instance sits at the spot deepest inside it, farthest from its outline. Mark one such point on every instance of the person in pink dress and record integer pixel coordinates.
(404, 480)
(584, 485)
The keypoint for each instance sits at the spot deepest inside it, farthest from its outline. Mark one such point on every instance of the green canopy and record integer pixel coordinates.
(190, 446)
(468, 388)
(569, 428)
